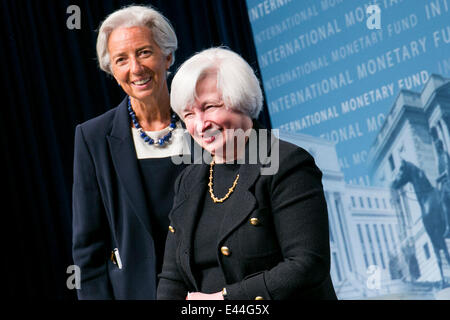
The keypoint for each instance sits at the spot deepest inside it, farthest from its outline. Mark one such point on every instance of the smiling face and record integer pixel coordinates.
(137, 62)
(210, 122)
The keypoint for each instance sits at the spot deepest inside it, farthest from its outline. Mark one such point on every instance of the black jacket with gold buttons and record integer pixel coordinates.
(274, 245)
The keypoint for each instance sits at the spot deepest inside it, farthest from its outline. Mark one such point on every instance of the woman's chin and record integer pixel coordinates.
(214, 151)
(210, 149)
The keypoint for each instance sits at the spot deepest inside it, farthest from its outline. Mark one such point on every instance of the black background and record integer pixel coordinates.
(50, 83)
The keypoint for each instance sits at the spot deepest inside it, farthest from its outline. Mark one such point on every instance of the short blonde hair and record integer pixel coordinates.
(236, 81)
(136, 16)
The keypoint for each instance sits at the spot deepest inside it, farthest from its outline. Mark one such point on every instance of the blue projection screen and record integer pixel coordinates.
(369, 81)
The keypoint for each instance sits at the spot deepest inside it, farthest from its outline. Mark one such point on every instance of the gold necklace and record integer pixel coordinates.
(210, 184)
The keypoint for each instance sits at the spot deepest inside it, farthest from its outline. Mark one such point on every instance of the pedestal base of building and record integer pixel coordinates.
(443, 294)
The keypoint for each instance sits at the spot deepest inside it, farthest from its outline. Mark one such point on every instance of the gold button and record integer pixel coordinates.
(171, 229)
(254, 221)
(225, 251)
(259, 298)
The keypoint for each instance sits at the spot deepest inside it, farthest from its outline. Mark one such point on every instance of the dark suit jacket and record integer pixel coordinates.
(110, 211)
(285, 256)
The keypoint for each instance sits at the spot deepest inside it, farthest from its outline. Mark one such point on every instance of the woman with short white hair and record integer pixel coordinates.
(237, 233)
(123, 172)
(235, 78)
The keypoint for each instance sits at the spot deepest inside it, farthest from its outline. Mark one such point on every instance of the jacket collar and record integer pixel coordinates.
(123, 154)
(243, 199)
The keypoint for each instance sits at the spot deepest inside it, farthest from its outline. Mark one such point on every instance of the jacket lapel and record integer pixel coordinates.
(243, 200)
(186, 215)
(125, 161)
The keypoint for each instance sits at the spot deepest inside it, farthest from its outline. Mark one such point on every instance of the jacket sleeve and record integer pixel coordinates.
(171, 283)
(89, 225)
(300, 218)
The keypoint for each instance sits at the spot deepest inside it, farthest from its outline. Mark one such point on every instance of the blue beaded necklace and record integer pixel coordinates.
(144, 136)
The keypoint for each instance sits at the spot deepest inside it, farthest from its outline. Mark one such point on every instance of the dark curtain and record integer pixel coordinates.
(51, 83)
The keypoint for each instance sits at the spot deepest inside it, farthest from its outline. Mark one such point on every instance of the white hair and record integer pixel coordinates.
(136, 16)
(236, 81)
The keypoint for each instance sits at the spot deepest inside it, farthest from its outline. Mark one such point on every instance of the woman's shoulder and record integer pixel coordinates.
(292, 152)
(103, 121)
(94, 131)
(103, 124)
(294, 160)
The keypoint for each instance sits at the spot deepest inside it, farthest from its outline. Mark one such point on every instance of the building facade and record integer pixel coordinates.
(416, 121)
(363, 228)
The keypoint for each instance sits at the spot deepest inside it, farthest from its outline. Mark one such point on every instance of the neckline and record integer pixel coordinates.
(158, 133)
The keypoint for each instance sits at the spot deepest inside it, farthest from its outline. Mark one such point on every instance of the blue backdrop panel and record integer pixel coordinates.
(325, 73)
(376, 84)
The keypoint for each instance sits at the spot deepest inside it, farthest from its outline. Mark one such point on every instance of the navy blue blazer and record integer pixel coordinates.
(110, 211)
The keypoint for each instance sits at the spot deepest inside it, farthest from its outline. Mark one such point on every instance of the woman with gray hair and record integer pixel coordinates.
(123, 173)
(237, 233)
